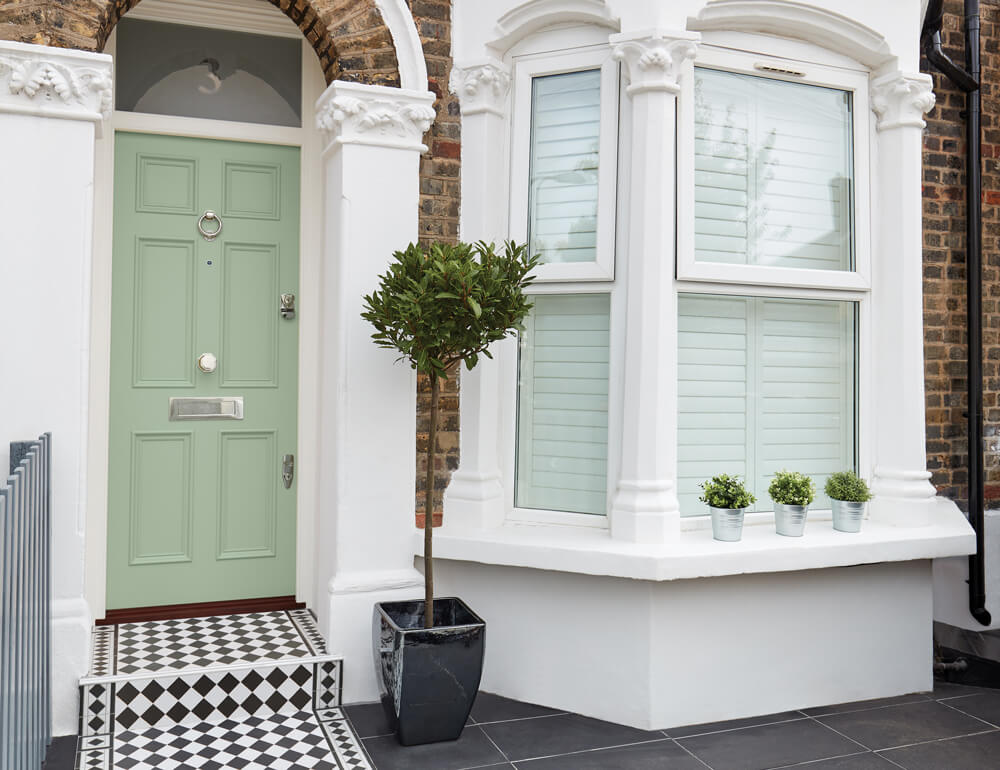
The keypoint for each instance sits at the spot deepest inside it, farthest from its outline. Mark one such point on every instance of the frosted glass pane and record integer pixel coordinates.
(562, 397)
(764, 384)
(199, 72)
(773, 172)
(562, 193)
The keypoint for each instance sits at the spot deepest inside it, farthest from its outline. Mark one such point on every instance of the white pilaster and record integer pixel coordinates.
(901, 483)
(474, 497)
(645, 507)
(51, 102)
(368, 404)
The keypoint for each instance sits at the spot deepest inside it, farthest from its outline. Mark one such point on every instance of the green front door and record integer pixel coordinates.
(198, 507)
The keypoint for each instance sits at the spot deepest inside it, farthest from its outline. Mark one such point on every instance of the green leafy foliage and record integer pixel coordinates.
(847, 486)
(445, 304)
(724, 491)
(792, 488)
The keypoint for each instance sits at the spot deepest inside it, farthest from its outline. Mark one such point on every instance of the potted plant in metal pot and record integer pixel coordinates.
(848, 494)
(728, 498)
(439, 306)
(792, 492)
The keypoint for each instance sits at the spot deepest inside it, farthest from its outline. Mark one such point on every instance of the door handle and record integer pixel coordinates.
(287, 470)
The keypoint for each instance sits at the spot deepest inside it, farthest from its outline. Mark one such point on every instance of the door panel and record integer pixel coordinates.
(196, 509)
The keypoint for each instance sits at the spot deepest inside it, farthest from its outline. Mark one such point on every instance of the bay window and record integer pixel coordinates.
(772, 274)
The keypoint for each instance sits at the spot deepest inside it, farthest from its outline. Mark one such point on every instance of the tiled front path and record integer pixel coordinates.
(953, 728)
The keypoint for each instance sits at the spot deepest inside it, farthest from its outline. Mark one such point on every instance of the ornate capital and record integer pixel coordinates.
(901, 99)
(655, 58)
(354, 113)
(481, 86)
(38, 80)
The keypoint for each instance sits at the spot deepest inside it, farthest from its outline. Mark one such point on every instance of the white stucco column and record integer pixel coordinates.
(474, 497)
(367, 455)
(901, 483)
(52, 101)
(645, 507)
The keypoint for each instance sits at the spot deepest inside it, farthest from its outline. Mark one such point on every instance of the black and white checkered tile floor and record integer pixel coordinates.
(255, 690)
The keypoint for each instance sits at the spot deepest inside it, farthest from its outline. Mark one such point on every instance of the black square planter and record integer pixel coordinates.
(428, 677)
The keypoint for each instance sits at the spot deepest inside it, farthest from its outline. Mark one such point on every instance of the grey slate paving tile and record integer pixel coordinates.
(866, 761)
(950, 690)
(561, 734)
(495, 708)
(368, 719)
(984, 706)
(756, 748)
(861, 705)
(656, 755)
(472, 749)
(975, 752)
(61, 754)
(900, 725)
(732, 724)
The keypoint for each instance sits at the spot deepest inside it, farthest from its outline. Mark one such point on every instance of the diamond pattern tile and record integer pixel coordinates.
(214, 641)
(213, 696)
(232, 691)
(293, 741)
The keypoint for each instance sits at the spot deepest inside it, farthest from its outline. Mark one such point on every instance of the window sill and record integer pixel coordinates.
(696, 555)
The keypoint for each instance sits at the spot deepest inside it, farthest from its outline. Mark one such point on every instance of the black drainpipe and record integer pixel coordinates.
(968, 81)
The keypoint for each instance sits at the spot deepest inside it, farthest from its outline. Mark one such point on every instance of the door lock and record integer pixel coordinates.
(287, 470)
(207, 362)
(287, 307)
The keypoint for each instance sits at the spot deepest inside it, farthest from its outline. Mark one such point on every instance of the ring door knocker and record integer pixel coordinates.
(209, 216)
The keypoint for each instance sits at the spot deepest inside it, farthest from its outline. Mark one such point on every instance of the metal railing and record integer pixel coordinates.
(25, 626)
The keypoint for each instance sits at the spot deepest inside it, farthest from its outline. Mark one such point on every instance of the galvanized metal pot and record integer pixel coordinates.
(790, 520)
(727, 523)
(847, 516)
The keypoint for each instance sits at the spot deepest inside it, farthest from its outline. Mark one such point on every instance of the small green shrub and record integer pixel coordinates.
(724, 491)
(848, 487)
(792, 488)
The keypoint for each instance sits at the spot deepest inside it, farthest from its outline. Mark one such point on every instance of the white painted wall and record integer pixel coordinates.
(659, 655)
(46, 219)
(951, 591)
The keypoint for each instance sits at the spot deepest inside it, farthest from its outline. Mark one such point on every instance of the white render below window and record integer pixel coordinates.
(764, 384)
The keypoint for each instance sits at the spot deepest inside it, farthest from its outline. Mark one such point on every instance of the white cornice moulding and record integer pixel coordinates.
(534, 15)
(355, 113)
(787, 18)
(250, 16)
(655, 58)
(481, 86)
(901, 99)
(54, 82)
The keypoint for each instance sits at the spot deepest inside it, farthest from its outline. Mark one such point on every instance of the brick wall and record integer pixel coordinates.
(352, 43)
(439, 201)
(944, 264)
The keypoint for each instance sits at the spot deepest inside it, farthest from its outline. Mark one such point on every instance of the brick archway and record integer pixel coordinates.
(350, 37)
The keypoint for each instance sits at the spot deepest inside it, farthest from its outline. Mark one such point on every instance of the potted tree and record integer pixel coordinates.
(439, 307)
(848, 494)
(728, 498)
(792, 492)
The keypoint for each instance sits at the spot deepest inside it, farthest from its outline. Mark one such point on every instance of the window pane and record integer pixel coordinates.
(562, 193)
(198, 72)
(773, 172)
(562, 435)
(764, 384)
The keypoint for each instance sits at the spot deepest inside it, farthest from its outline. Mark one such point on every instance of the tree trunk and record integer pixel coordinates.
(429, 508)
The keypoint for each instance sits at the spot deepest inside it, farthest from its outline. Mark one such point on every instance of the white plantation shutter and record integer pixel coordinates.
(764, 384)
(563, 166)
(773, 171)
(562, 436)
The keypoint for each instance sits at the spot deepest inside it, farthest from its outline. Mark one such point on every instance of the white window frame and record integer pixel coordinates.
(526, 67)
(814, 66)
(778, 68)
